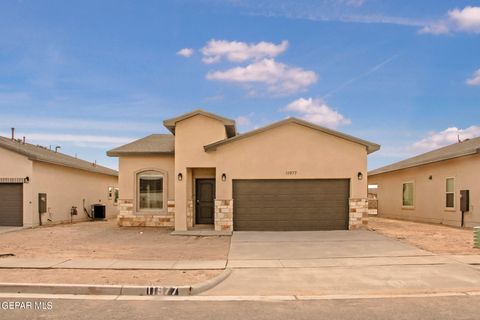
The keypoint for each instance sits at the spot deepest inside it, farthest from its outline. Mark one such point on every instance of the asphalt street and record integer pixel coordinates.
(426, 308)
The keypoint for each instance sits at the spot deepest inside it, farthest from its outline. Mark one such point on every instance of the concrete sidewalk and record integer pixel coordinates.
(113, 264)
(339, 263)
(363, 280)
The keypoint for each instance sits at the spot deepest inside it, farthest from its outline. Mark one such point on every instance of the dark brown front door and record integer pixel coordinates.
(205, 197)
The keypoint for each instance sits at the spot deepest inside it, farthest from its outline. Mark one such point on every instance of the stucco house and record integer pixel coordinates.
(290, 175)
(441, 186)
(38, 183)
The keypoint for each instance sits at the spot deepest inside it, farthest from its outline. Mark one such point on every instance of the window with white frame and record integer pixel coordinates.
(450, 193)
(407, 195)
(150, 190)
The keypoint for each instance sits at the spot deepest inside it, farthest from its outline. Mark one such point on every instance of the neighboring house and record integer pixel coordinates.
(37, 182)
(428, 187)
(290, 175)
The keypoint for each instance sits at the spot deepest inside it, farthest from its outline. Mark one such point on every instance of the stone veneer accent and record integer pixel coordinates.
(358, 213)
(190, 214)
(127, 218)
(223, 215)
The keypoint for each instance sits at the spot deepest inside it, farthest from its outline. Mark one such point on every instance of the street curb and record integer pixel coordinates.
(113, 290)
(209, 284)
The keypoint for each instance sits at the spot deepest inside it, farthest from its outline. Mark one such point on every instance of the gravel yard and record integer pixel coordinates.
(105, 240)
(107, 277)
(431, 237)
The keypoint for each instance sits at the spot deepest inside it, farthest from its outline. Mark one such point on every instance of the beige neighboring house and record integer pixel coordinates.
(432, 186)
(290, 175)
(37, 182)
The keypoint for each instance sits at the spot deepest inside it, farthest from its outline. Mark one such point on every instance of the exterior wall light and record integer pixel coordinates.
(26, 179)
(430, 177)
(180, 176)
(360, 176)
(224, 177)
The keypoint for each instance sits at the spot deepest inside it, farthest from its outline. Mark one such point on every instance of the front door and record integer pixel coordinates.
(205, 197)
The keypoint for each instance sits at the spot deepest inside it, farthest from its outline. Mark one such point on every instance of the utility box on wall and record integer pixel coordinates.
(464, 200)
(42, 203)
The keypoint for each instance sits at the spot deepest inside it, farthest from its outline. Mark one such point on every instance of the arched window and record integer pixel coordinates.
(150, 190)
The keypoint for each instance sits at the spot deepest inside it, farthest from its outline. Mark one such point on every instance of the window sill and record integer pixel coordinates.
(450, 209)
(408, 208)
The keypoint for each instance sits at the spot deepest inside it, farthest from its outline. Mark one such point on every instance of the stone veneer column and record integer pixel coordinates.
(190, 214)
(223, 215)
(126, 217)
(125, 213)
(358, 213)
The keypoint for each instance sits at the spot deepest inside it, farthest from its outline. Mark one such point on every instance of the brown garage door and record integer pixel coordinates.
(290, 204)
(11, 204)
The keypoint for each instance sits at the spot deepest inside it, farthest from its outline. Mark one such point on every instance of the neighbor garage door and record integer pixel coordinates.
(290, 204)
(11, 204)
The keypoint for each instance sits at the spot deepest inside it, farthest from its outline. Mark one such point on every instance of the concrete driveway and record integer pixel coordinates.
(338, 263)
(304, 245)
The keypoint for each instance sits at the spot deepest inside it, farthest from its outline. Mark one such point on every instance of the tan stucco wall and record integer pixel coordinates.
(130, 166)
(191, 135)
(267, 155)
(66, 187)
(429, 195)
(14, 165)
(271, 154)
(292, 147)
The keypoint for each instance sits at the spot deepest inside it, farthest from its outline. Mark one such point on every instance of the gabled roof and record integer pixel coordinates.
(460, 149)
(229, 123)
(371, 147)
(154, 144)
(43, 154)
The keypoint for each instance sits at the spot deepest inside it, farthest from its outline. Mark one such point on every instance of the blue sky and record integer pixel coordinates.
(92, 75)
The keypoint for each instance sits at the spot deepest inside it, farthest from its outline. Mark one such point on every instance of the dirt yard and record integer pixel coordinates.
(107, 277)
(104, 240)
(431, 237)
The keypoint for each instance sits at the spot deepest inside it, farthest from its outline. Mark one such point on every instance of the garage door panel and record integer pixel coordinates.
(297, 225)
(11, 204)
(314, 204)
(314, 213)
(290, 198)
(294, 204)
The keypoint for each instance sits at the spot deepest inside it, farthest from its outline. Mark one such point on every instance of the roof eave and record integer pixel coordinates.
(133, 153)
(373, 173)
(172, 122)
(371, 147)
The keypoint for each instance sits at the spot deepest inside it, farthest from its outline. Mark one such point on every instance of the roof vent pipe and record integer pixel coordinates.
(23, 141)
(13, 134)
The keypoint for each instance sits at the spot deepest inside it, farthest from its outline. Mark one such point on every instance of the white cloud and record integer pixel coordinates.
(277, 77)
(435, 140)
(440, 27)
(185, 52)
(475, 79)
(466, 20)
(345, 11)
(316, 111)
(353, 3)
(236, 51)
(243, 121)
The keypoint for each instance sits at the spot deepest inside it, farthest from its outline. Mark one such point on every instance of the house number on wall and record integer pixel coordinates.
(290, 172)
